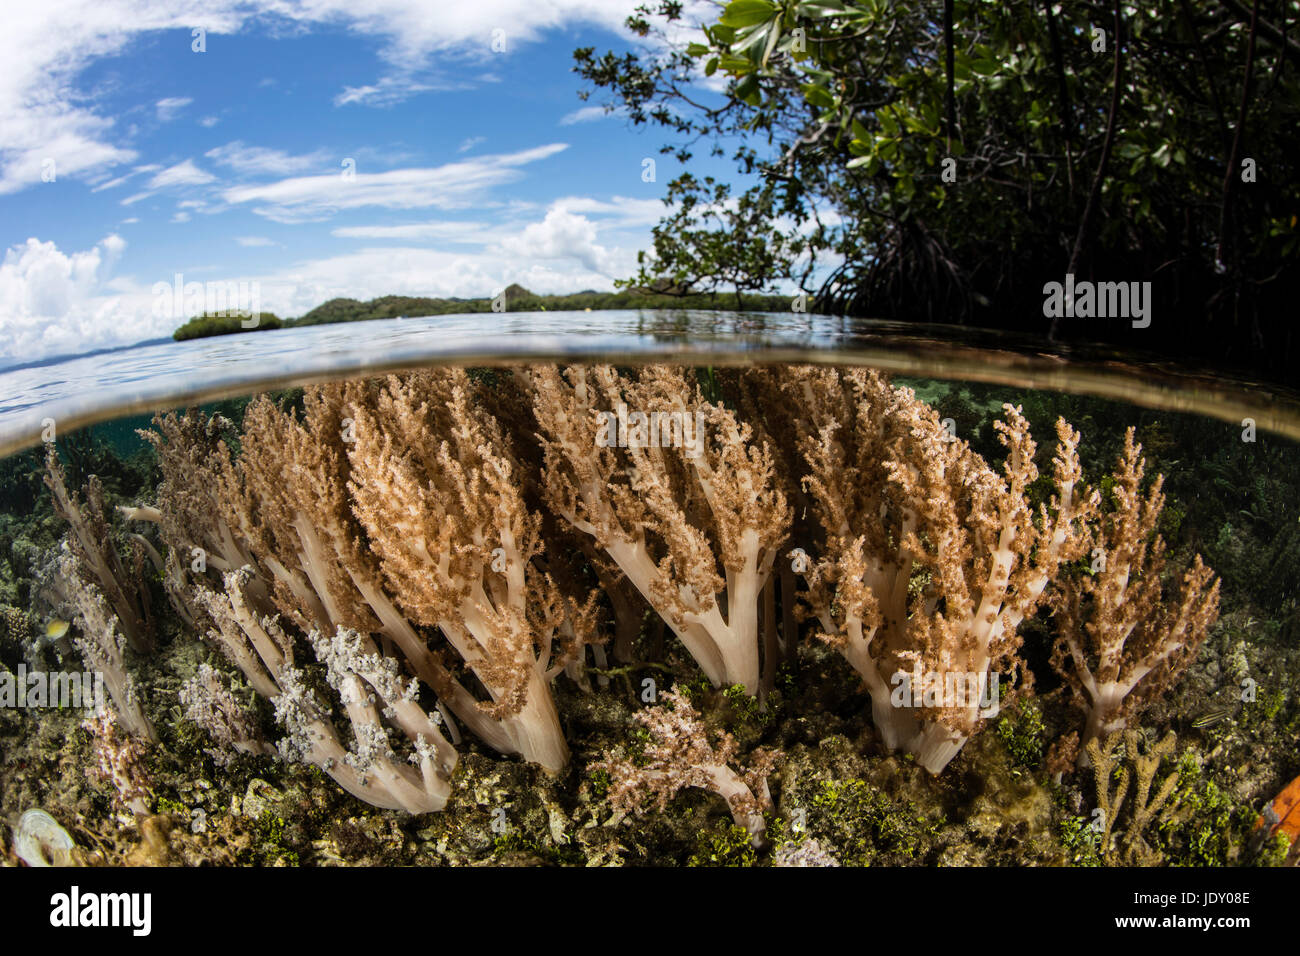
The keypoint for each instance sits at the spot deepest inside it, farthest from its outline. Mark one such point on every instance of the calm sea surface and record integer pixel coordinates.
(85, 390)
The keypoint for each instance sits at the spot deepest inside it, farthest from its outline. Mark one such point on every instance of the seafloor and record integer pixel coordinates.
(840, 798)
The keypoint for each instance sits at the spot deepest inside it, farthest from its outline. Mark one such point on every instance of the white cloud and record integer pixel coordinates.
(258, 160)
(71, 142)
(373, 272)
(476, 233)
(43, 49)
(209, 121)
(470, 143)
(53, 302)
(390, 91)
(182, 174)
(118, 181)
(453, 185)
(45, 46)
(253, 241)
(561, 235)
(181, 216)
(170, 107)
(621, 212)
(589, 114)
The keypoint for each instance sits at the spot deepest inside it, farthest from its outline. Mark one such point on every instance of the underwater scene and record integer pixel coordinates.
(852, 444)
(759, 614)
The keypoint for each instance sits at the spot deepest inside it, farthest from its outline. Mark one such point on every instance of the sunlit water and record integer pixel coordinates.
(84, 390)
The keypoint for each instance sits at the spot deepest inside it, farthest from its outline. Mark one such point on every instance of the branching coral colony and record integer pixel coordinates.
(931, 559)
(1126, 633)
(414, 539)
(695, 525)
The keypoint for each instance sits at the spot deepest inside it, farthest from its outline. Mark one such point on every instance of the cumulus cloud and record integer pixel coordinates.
(400, 270)
(569, 230)
(450, 186)
(52, 302)
(561, 235)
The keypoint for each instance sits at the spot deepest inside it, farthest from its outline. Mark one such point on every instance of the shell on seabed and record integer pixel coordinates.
(40, 841)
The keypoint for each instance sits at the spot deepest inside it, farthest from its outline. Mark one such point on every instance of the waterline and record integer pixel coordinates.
(85, 390)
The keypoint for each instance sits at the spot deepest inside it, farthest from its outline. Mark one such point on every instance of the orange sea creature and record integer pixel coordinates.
(1283, 815)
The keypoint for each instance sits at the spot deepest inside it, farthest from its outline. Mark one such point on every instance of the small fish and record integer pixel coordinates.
(55, 629)
(1213, 716)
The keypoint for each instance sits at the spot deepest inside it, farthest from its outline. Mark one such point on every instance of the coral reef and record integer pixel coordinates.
(1137, 768)
(695, 524)
(102, 644)
(679, 754)
(381, 591)
(370, 769)
(98, 562)
(119, 760)
(931, 559)
(210, 704)
(1123, 635)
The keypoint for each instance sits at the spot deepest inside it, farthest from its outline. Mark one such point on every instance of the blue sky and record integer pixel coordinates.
(316, 148)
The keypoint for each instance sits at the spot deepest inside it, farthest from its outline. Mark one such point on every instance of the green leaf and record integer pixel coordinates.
(773, 35)
(860, 161)
(696, 49)
(747, 90)
(820, 8)
(746, 13)
(817, 96)
(711, 67)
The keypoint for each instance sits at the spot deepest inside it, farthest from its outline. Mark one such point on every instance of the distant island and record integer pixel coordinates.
(517, 299)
